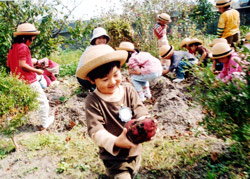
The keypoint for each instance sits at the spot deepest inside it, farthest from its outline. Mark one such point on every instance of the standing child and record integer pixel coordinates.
(160, 28)
(229, 22)
(99, 37)
(20, 63)
(143, 68)
(230, 59)
(180, 60)
(109, 107)
(195, 46)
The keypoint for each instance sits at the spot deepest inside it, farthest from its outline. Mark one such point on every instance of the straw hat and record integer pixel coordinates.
(184, 42)
(99, 55)
(194, 41)
(128, 46)
(247, 37)
(26, 29)
(219, 40)
(166, 50)
(221, 50)
(223, 3)
(98, 32)
(164, 17)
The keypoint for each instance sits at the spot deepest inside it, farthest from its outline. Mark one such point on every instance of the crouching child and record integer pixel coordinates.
(109, 107)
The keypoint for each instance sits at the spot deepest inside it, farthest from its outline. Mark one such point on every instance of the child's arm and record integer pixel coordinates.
(123, 142)
(25, 66)
(203, 56)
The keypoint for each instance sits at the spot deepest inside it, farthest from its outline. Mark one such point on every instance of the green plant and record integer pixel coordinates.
(226, 105)
(16, 100)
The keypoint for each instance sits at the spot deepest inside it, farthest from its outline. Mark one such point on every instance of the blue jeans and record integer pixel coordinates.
(140, 81)
(180, 70)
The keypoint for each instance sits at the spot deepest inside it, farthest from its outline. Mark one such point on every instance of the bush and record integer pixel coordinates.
(16, 100)
(226, 106)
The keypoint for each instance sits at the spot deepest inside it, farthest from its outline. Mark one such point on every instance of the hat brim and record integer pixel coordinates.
(193, 42)
(124, 48)
(223, 4)
(168, 52)
(119, 55)
(26, 33)
(222, 55)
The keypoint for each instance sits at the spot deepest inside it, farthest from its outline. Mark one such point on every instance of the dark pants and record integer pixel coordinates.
(86, 84)
(233, 39)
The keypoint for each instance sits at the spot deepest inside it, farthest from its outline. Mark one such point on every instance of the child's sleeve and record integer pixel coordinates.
(221, 25)
(159, 30)
(96, 130)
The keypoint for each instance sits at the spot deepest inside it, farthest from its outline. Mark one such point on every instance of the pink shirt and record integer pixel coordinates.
(230, 67)
(20, 51)
(145, 62)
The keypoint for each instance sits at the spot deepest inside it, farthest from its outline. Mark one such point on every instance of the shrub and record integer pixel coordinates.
(226, 106)
(16, 100)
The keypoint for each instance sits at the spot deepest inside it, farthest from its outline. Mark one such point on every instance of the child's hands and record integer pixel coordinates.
(122, 140)
(39, 71)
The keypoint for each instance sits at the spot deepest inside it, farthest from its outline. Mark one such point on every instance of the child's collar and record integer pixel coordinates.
(117, 96)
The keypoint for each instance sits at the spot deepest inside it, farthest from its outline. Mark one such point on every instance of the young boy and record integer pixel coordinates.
(20, 63)
(109, 107)
(180, 61)
(195, 46)
(229, 22)
(160, 28)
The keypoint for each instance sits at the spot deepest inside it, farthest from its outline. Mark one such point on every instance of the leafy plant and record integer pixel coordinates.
(226, 105)
(16, 100)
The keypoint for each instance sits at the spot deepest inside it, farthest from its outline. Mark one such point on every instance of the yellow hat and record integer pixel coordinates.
(219, 40)
(221, 50)
(99, 55)
(184, 42)
(26, 29)
(128, 46)
(223, 3)
(166, 50)
(194, 41)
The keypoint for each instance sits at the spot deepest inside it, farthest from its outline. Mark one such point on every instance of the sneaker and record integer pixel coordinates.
(48, 122)
(147, 92)
(178, 80)
(141, 96)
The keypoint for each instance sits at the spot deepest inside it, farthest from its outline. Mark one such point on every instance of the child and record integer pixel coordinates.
(109, 107)
(180, 60)
(230, 60)
(160, 28)
(217, 66)
(229, 22)
(50, 70)
(100, 36)
(195, 46)
(143, 67)
(20, 63)
(184, 44)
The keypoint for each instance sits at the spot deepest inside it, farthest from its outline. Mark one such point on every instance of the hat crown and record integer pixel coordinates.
(194, 40)
(184, 41)
(164, 17)
(220, 48)
(247, 36)
(223, 3)
(128, 46)
(165, 50)
(96, 52)
(26, 27)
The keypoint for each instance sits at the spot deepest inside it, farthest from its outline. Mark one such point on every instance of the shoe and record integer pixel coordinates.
(141, 96)
(48, 122)
(178, 80)
(147, 92)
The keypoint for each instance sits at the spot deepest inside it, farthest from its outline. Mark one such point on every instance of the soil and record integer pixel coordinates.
(171, 105)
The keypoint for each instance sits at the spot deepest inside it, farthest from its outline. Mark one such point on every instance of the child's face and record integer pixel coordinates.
(110, 83)
(192, 47)
(100, 40)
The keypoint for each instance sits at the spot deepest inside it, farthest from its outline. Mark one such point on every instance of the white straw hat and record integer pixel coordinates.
(98, 32)
(247, 37)
(164, 17)
(128, 46)
(218, 40)
(26, 29)
(99, 55)
(223, 3)
(184, 42)
(194, 41)
(221, 50)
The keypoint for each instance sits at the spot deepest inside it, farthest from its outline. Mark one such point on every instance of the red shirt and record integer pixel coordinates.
(20, 51)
